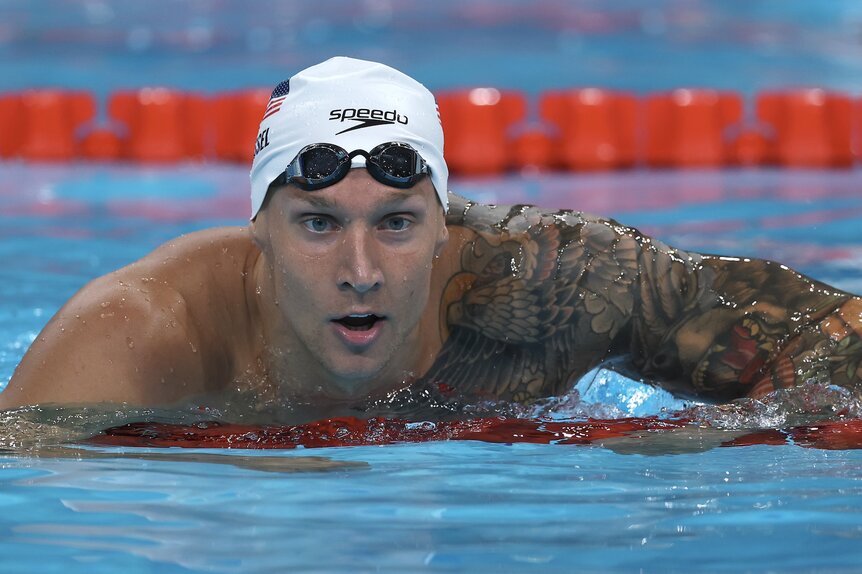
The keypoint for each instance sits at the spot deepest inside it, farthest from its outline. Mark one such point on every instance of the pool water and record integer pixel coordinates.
(669, 501)
(664, 503)
(441, 507)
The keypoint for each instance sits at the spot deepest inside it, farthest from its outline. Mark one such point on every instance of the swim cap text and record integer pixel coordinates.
(262, 141)
(385, 116)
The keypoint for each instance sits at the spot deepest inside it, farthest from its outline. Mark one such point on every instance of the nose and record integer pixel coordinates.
(359, 269)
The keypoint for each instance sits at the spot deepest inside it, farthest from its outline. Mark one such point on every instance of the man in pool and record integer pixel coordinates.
(359, 276)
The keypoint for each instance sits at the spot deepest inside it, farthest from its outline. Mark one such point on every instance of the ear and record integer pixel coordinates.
(442, 238)
(257, 227)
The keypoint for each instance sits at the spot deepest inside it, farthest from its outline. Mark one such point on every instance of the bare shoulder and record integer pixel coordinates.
(149, 333)
(218, 247)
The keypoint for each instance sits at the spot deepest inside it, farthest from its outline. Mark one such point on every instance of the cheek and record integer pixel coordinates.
(415, 282)
(301, 275)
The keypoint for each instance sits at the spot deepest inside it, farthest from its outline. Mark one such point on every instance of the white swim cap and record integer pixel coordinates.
(351, 103)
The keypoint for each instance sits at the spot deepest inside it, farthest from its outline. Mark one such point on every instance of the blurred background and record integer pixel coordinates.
(531, 45)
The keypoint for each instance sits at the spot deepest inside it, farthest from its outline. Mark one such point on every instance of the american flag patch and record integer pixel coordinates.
(273, 106)
(276, 99)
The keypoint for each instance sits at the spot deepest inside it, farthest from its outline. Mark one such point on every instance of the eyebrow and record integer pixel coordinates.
(398, 198)
(316, 201)
(319, 202)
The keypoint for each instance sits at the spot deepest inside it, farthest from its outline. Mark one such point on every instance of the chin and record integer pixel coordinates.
(357, 377)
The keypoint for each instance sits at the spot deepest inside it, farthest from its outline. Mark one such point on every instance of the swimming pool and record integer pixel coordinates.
(665, 502)
(439, 506)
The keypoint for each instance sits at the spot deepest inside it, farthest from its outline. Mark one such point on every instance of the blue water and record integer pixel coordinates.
(441, 507)
(446, 507)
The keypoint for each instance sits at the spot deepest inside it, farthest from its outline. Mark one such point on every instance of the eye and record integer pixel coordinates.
(396, 223)
(318, 224)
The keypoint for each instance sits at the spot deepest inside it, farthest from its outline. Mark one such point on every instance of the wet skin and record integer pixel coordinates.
(335, 297)
(259, 310)
(350, 271)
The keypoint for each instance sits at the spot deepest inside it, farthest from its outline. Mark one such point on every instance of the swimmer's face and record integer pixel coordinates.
(352, 269)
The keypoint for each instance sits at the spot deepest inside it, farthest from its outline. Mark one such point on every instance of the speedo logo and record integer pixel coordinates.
(366, 117)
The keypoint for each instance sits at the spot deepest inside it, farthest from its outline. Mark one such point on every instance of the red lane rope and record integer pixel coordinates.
(488, 131)
(351, 431)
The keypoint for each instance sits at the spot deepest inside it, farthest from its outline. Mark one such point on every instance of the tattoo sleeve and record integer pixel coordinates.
(722, 327)
(541, 298)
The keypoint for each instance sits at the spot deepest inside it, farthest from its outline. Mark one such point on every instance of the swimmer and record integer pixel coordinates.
(360, 275)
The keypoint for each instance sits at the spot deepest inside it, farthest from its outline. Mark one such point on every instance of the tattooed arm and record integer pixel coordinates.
(725, 327)
(540, 298)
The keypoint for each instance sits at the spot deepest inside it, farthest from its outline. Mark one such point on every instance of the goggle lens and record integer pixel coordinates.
(319, 162)
(397, 161)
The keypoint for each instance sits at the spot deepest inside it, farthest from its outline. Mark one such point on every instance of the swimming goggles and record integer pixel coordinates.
(320, 165)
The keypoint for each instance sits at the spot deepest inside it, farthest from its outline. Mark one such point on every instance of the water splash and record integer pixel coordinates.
(37, 427)
(414, 415)
(802, 405)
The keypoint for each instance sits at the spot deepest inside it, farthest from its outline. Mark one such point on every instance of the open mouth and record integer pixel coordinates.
(359, 322)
